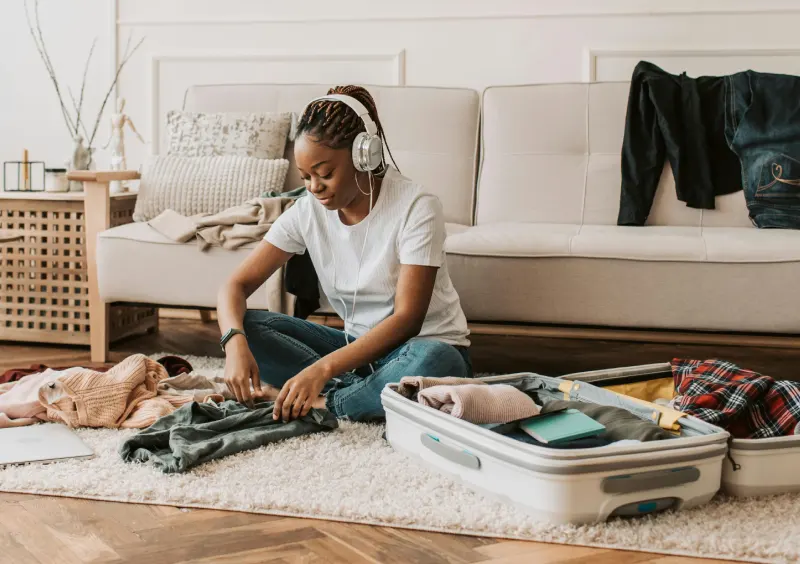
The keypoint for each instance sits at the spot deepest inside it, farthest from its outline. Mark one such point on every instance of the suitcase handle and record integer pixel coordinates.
(451, 453)
(651, 480)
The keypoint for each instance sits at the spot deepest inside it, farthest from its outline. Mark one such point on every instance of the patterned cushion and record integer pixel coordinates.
(192, 185)
(194, 134)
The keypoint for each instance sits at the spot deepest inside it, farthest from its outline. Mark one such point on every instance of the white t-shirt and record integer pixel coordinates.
(406, 226)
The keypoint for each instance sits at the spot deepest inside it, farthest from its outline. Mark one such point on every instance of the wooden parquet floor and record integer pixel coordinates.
(49, 530)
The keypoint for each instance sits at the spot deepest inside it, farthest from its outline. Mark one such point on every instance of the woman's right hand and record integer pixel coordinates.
(241, 371)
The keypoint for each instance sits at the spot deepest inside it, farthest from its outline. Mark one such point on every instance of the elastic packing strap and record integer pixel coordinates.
(665, 417)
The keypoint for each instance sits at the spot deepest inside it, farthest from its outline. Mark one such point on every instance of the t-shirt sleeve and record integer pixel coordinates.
(286, 232)
(422, 237)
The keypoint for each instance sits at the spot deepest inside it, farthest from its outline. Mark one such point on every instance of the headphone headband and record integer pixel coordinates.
(354, 104)
(367, 149)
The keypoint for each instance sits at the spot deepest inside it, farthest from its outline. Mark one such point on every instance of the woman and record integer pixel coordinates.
(377, 243)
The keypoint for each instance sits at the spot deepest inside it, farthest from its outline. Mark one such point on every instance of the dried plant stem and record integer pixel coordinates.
(38, 40)
(78, 125)
(77, 111)
(125, 59)
(79, 106)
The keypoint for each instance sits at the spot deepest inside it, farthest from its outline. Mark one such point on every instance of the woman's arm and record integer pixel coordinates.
(412, 299)
(259, 265)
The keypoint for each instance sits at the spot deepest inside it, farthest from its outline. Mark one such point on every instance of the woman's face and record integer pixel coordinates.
(329, 174)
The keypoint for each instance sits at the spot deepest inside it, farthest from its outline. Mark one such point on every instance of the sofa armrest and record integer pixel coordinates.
(97, 218)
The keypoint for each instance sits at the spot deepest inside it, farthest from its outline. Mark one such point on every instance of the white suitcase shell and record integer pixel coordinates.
(753, 467)
(563, 486)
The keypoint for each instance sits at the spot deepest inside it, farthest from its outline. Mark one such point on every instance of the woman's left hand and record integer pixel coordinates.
(299, 393)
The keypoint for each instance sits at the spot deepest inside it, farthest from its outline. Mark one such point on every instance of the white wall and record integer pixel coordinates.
(29, 112)
(468, 43)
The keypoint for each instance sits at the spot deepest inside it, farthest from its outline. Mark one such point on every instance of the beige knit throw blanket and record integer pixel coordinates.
(229, 229)
(498, 403)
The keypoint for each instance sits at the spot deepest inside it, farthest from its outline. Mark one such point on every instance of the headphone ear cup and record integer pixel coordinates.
(367, 152)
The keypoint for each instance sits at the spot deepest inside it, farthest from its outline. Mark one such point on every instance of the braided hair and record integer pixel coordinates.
(336, 125)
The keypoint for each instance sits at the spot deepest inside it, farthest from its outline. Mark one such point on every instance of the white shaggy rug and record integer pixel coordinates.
(353, 475)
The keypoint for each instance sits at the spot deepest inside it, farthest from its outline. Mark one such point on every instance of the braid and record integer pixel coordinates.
(336, 125)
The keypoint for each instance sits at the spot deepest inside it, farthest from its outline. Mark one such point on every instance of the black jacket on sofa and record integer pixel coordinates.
(682, 119)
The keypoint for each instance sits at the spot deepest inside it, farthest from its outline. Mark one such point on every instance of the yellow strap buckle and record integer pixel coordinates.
(665, 417)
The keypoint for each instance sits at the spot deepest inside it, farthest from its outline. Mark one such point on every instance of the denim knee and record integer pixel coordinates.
(255, 321)
(259, 330)
(437, 359)
(253, 317)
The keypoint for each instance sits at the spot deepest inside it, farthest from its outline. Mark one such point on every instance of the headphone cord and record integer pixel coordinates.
(360, 260)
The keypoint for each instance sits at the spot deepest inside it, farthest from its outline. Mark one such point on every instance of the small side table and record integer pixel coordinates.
(44, 275)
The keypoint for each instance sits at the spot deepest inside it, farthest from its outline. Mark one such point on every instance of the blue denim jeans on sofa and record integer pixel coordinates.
(283, 346)
(762, 126)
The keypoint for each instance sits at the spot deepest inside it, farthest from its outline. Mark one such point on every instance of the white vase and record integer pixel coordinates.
(81, 159)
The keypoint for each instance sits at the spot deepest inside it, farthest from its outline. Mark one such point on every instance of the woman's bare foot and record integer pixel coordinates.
(267, 393)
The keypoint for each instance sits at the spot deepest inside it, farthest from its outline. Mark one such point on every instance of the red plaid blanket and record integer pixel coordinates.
(745, 403)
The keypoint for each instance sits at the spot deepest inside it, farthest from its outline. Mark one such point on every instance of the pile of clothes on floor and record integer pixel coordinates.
(188, 418)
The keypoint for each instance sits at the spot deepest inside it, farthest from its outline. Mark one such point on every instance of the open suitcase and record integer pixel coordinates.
(566, 486)
(753, 466)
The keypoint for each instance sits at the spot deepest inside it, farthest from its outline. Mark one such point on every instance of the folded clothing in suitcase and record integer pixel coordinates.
(566, 486)
(753, 467)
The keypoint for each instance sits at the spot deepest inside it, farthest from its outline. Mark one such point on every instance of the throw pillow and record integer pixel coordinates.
(195, 134)
(192, 185)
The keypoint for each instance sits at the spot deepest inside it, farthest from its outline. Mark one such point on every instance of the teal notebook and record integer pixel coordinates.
(561, 426)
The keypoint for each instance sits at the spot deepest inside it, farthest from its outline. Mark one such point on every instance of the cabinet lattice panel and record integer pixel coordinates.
(44, 292)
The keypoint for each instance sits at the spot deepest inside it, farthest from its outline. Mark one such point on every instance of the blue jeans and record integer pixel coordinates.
(283, 346)
(762, 126)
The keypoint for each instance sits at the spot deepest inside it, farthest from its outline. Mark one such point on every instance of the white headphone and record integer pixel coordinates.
(367, 146)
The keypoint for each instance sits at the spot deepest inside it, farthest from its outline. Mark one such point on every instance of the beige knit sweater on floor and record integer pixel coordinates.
(88, 398)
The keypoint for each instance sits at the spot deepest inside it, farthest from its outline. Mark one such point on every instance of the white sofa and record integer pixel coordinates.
(529, 177)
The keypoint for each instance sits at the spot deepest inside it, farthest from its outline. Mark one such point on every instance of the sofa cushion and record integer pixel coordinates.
(550, 153)
(193, 185)
(656, 243)
(135, 263)
(651, 244)
(432, 132)
(513, 240)
(198, 134)
(735, 244)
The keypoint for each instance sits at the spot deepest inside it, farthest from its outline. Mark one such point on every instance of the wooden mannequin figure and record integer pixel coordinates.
(117, 143)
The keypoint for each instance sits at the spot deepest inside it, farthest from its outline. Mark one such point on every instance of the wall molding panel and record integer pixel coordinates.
(612, 65)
